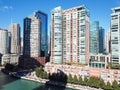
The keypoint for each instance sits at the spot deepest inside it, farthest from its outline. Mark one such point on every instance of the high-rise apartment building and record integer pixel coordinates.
(32, 32)
(41, 19)
(115, 35)
(94, 38)
(3, 41)
(70, 35)
(14, 30)
(56, 39)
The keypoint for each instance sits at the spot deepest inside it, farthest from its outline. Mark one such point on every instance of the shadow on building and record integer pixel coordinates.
(27, 62)
(0, 58)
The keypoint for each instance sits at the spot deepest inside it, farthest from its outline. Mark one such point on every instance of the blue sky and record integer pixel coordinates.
(18, 9)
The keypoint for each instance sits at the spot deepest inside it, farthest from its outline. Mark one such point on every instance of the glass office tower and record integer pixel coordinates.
(44, 33)
(101, 39)
(42, 18)
(94, 38)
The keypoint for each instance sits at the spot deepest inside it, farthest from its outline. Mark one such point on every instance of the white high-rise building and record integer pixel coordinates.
(14, 29)
(56, 40)
(115, 35)
(107, 42)
(3, 41)
(70, 35)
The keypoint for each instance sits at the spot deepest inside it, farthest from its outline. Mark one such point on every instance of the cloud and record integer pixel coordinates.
(6, 8)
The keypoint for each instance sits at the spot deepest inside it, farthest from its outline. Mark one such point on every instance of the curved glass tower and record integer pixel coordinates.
(38, 20)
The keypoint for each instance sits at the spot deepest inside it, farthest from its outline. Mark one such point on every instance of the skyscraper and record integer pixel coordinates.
(94, 38)
(101, 39)
(97, 35)
(3, 41)
(115, 35)
(32, 36)
(70, 35)
(14, 30)
(56, 40)
(43, 30)
(108, 42)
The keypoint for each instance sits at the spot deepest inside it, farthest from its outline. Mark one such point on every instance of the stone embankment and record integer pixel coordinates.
(33, 77)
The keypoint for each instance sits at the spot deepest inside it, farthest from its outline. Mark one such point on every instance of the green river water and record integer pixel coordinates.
(9, 83)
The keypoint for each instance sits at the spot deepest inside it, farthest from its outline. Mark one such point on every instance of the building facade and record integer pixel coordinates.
(10, 58)
(35, 34)
(56, 40)
(14, 30)
(99, 61)
(94, 37)
(3, 41)
(115, 35)
(108, 42)
(70, 35)
(32, 32)
(44, 32)
(101, 40)
(108, 75)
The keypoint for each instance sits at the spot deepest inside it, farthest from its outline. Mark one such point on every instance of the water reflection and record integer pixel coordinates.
(48, 87)
(8, 83)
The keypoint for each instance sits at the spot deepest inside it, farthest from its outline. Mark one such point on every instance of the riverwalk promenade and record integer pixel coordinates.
(32, 77)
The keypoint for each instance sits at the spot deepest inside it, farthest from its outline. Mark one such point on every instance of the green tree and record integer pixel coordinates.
(115, 84)
(44, 76)
(80, 80)
(39, 71)
(108, 86)
(70, 79)
(94, 82)
(85, 80)
(102, 83)
(75, 80)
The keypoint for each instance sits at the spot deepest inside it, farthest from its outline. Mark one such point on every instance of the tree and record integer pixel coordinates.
(44, 75)
(80, 80)
(75, 80)
(37, 71)
(102, 83)
(115, 84)
(108, 86)
(70, 79)
(85, 80)
(9, 67)
(94, 82)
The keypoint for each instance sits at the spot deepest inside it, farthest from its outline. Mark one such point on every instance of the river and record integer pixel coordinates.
(9, 83)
